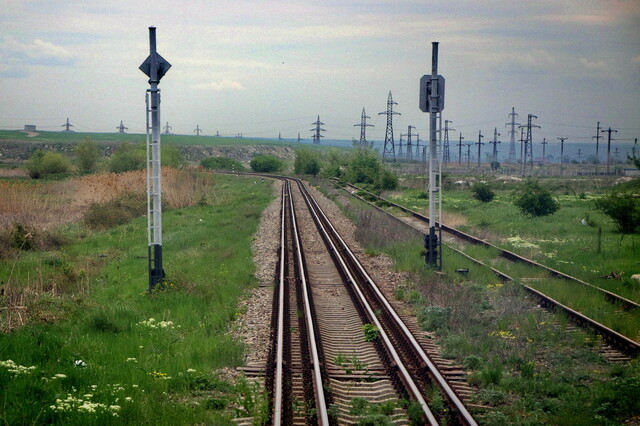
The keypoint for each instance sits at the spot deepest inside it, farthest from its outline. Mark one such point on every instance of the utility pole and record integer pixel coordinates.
(121, 128)
(469, 144)
(528, 143)
(522, 145)
(197, 130)
(544, 149)
(299, 137)
(279, 136)
(459, 145)
(363, 127)
(67, 126)
(418, 145)
(167, 128)
(561, 139)
(155, 67)
(479, 143)
(400, 153)
(317, 130)
(609, 131)
(494, 155)
(446, 157)
(579, 156)
(217, 133)
(409, 144)
(512, 132)
(597, 138)
(389, 148)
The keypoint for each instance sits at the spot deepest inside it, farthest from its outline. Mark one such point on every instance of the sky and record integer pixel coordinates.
(264, 67)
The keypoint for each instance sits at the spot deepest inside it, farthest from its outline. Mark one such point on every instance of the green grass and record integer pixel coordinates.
(559, 241)
(74, 137)
(525, 363)
(102, 340)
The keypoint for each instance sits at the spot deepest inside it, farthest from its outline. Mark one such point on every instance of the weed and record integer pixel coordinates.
(371, 332)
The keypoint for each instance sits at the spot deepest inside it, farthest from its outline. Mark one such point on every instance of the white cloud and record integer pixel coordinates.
(223, 85)
(16, 58)
(600, 68)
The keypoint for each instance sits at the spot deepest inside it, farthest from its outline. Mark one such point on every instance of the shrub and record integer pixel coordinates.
(482, 192)
(46, 163)
(221, 163)
(365, 167)
(127, 158)
(434, 318)
(623, 209)
(266, 164)
(87, 155)
(534, 200)
(115, 212)
(307, 162)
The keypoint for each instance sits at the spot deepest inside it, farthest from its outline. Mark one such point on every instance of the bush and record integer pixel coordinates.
(130, 157)
(266, 164)
(482, 192)
(434, 318)
(221, 163)
(87, 155)
(115, 212)
(623, 209)
(307, 162)
(365, 167)
(127, 158)
(533, 200)
(46, 163)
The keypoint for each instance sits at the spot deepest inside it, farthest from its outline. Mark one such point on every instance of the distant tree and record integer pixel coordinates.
(170, 156)
(127, 157)
(266, 164)
(623, 208)
(365, 167)
(87, 155)
(534, 200)
(44, 163)
(307, 162)
(482, 192)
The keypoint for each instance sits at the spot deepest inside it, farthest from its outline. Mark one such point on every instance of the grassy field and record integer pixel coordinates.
(561, 241)
(529, 367)
(75, 137)
(93, 347)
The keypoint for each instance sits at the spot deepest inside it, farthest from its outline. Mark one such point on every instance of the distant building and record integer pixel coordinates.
(29, 127)
(631, 172)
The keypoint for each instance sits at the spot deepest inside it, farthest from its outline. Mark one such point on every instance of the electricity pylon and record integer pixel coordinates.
(459, 145)
(446, 157)
(479, 143)
(562, 139)
(528, 143)
(389, 148)
(197, 130)
(544, 150)
(609, 130)
(317, 130)
(363, 127)
(167, 128)
(67, 126)
(512, 132)
(121, 128)
(494, 155)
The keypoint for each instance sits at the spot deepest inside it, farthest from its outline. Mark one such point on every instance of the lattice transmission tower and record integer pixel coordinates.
(316, 131)
(446, 156)
(528, 143)
(121, 128)
(363, 127)
(67, 126)
(167, 129)
(512, 132)
(389, 147)
(197, 130)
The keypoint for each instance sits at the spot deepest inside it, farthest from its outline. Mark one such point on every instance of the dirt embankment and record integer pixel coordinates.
(19, 150)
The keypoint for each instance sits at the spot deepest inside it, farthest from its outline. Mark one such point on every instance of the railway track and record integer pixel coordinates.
(336, 337)
(419, 222)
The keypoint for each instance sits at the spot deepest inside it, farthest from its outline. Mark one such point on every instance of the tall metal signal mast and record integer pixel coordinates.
(363, 129)
(512, 132)
(389, 147)
(155, 67)
(316, 135)
(431, 100)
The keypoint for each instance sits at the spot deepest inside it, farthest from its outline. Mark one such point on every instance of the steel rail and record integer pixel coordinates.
(622, 342)
(450, 394)
(321, 405)
(410, 385)
(509, 255)
(279, 375)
